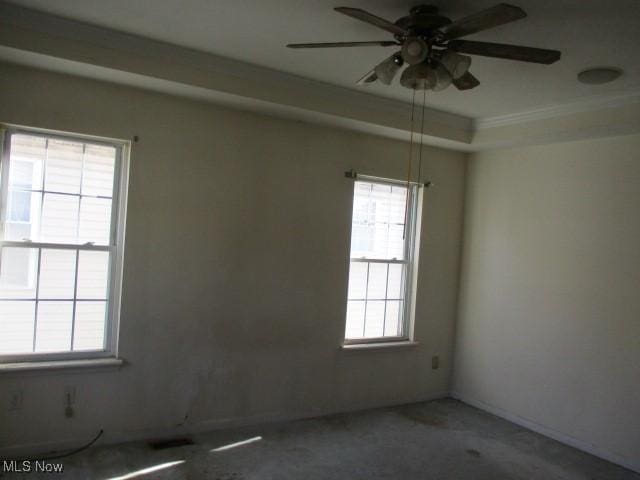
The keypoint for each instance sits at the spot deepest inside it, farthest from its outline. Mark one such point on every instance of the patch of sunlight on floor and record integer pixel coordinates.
(237, 444)
(144, 471)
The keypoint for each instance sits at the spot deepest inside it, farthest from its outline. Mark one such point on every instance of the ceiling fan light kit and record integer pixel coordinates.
(419, 77)
(443, 78)
(430, 46)
(457, 65)
(415, 50)
(386, 70)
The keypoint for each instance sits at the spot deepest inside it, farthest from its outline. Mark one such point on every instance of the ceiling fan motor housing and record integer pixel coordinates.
(422, 23)
(423, 20)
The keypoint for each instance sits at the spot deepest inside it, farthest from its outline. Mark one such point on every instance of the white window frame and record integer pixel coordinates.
(411, 242)
(115, 246)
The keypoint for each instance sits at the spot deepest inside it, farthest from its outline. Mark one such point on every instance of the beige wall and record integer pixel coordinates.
(235, 270)
(236, 265)
(549, 324)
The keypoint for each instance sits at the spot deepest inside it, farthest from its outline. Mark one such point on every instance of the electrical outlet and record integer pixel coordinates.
(69, 399)
(15, 400)
(435, 362)
(69, 395)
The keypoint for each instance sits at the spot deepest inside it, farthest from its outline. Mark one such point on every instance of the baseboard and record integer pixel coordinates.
(550, 432)
(32, 450)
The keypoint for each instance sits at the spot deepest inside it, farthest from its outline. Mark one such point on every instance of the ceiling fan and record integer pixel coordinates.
(429, 43)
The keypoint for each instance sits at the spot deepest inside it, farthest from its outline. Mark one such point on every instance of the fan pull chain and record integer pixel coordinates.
(424, 98)
(406, 199)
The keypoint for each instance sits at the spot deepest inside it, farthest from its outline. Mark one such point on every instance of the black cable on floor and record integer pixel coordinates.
(72, 452)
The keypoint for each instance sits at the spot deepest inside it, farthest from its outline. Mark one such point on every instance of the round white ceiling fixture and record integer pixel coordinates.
(599, 75)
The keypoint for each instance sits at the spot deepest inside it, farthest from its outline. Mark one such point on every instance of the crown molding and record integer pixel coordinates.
(587, 104)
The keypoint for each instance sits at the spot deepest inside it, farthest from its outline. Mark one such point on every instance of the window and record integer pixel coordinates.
(61, 238)
(382, 250)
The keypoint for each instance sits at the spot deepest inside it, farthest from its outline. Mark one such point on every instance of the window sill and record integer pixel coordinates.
(379, 345)
(61, 365)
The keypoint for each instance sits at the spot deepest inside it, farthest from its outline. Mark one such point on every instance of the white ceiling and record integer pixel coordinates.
(588, 32)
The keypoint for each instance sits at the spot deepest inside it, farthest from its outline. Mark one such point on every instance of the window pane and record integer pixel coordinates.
(59, 218)
(393, 316)
(19, 206)
(53, 330)
(18, 271)
(357, 280)
(380, 195)
(64, 166)
(89, 326)
(23, 215)
(397, 200)
(355, 319)
(27, 159)
(57, 274)
(395, 243)
(93, 275)
(95, 220)
(394, 288)
(377, 281)
(99, 166)
(374, 319)
(16, 326)
(361, 239)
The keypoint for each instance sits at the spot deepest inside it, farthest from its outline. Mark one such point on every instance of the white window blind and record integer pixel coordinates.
(60, 245)
(382, 245)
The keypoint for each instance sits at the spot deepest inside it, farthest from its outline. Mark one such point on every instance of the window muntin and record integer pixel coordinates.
(381, 253)
(59, 246)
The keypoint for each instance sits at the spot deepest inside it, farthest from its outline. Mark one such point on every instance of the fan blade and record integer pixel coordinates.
(466, 82)
(501, 50)
(489, 18)
(367, 78)
(372, 19)
(385, 43)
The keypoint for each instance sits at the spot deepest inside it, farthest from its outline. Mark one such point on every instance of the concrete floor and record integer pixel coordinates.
(443, 439)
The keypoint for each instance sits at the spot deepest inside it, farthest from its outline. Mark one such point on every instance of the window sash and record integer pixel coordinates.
(379, 260)
(405, 293)
(114, 247)
(57, 246)
(407, 262)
